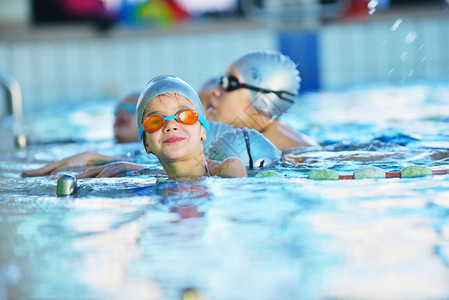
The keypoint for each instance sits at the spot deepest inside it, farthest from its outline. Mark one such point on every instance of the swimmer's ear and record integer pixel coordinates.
(145, 144)
(203, 134)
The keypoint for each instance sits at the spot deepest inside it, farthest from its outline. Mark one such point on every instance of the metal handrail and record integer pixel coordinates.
(12, 132)
(13, 93)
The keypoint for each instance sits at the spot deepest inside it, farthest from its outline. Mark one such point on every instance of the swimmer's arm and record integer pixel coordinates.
(110, 170)
(83, 159)
(285, 137)
(231, 167)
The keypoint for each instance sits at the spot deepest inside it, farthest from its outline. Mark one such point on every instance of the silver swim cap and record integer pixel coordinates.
(249, 145)
(209, 84)
(166, 84)
(269, 70)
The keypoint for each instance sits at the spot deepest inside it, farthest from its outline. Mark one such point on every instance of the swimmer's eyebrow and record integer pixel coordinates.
(154, 112)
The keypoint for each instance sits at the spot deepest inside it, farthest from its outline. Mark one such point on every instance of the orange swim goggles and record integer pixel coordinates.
(186, 116)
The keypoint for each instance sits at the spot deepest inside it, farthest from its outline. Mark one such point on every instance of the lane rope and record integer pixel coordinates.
(374, 172)
(393, 174)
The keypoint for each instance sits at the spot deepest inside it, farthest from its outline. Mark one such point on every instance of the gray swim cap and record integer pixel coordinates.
(166, 84)
(269, 70)
(210, 84)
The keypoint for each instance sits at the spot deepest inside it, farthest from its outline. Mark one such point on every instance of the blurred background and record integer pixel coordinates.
(75, 50)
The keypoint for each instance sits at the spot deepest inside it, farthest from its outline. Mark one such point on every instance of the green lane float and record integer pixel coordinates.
(269, 174)
(375, 172)
(369, 172)
(415, 171)
(323, 174)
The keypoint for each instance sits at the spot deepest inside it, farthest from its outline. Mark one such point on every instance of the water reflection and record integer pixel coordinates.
(184, 197)
(254, 238)
(111, 243)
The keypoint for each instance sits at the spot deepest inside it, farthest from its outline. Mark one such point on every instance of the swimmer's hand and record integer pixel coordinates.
(83, 159)
(110, 170)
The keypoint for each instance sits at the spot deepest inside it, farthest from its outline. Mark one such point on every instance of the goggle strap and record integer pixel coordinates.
(248, 148)
(258, 89)
(141, 131)
(203, 122)
(230, 83)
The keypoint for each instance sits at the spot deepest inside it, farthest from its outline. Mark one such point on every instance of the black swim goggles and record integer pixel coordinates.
(231, 83)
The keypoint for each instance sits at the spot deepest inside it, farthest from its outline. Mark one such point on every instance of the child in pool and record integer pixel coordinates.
(254, 92)
(223, 141)
(125, 130)
(172, 125)
(205, 93)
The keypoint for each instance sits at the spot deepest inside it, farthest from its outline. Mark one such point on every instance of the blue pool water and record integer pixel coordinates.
(251, 238)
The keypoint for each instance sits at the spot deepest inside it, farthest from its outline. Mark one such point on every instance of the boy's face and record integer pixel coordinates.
(232, 107)
(205, 96)
(174, 141)
(125, 127)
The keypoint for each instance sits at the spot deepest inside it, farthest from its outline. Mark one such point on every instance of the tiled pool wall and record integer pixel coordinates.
(396, 49)
(65, 69)
(393, 50)
(417, 49)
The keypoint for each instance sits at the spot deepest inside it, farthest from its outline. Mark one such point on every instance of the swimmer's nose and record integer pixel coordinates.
(170, 125)
(216, 97)
(217, 91)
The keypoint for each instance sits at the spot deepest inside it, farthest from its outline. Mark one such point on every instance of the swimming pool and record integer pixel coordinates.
(252, 238)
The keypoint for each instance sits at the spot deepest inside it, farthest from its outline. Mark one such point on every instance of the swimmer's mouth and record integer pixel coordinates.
(210, 110)
(174, 139)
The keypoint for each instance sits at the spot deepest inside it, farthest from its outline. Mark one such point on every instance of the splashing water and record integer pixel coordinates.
(410, 37)
(372, 5)
(404, 56)
(396, 24)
